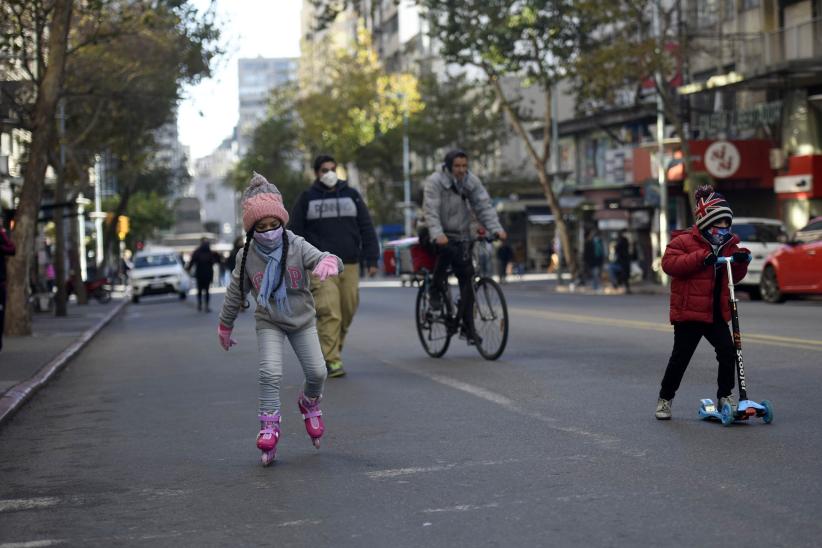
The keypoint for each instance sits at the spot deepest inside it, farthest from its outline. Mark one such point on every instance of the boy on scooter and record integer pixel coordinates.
(699, 295)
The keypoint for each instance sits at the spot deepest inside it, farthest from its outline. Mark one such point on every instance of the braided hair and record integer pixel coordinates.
(249, 236)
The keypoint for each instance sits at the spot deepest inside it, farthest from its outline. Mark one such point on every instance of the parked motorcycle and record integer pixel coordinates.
(100, 289)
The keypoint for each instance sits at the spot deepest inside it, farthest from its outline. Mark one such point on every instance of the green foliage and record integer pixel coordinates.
(355, 103)
(625, 53)
(148, 212)
(534, 39)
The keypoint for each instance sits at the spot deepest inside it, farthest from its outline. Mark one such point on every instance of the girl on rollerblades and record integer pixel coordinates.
(274, 265)
(699, 294)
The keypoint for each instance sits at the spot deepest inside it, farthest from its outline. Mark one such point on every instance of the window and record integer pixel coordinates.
(148, 261)
(749, 4)
(759, 232)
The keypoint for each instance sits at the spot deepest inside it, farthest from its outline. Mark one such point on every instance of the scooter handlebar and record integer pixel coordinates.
(730, 259)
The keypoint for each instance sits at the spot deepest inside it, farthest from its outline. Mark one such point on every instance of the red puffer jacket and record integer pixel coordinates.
(692, 286)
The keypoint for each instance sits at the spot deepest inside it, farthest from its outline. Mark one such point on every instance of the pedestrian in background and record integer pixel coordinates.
(593, 256)
(202, 261)
(333, 217)
(620, 268)
(274, 264)
(699, 295)
(505, 254)
(6, 249)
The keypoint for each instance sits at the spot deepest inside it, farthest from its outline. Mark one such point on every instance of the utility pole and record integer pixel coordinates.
(660, 137)
(406, 173)
(59, 220)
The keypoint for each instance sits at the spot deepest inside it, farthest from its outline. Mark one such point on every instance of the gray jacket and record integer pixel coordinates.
(301, 260)
(446, 209)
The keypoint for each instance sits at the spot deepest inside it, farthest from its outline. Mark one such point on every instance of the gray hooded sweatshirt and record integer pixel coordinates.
(446, 210)
(302, 259)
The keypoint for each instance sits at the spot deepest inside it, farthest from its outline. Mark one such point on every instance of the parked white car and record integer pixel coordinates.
(763, 237)
(158, 271)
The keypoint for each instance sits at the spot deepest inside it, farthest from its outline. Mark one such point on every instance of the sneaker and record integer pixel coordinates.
(663, 409)
(335, 369)
(727, 399)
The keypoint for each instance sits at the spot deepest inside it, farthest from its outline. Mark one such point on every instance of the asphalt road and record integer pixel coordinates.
(147, 438)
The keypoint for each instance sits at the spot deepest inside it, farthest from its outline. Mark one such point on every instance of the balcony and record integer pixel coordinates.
(780, 49)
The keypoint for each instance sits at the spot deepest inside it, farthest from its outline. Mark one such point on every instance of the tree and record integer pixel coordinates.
(46, 71)
(532, 40)
(456, 113)
(126, 61)
(356, 103)
(628, 52)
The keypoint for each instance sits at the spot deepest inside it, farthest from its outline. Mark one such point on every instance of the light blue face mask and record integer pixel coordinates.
(269, 238)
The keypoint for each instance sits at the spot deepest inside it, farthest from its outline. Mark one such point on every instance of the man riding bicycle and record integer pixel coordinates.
(451, 195)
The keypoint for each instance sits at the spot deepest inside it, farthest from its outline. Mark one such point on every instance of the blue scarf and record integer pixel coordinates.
(274, 259)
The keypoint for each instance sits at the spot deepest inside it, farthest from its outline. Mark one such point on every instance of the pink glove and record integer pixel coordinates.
(325, 268)
(226, 340)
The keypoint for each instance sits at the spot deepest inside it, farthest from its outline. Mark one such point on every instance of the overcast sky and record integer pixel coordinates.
(270, 28)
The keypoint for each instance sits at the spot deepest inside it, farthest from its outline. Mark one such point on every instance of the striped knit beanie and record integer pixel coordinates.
(262, 199)
(711, 206)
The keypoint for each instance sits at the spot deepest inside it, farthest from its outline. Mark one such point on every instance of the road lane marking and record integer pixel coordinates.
(400, 472)
(461, 508)
(603, 440)
(768, 340)
(32, 543)
(14, 505)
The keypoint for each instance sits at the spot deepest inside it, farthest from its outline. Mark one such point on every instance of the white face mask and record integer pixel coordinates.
(329, 179)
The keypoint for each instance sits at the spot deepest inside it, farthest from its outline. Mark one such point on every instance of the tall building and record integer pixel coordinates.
(316, 46)
(257, 77)
(218, 202)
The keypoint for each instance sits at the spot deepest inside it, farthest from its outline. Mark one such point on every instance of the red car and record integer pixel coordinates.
(796, 267)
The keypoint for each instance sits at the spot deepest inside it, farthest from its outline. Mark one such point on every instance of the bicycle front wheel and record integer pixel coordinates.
(432, 326)
(490, 319)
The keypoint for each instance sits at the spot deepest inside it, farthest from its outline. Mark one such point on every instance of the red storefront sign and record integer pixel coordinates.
(747, 160)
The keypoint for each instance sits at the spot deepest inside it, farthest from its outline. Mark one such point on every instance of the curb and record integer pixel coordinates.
(14, 398)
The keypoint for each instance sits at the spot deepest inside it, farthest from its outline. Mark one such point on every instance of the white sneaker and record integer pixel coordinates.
(663, 409)
(727, 399)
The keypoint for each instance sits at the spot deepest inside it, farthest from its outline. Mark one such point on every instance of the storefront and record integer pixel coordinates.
(799, 190)
(741, 170)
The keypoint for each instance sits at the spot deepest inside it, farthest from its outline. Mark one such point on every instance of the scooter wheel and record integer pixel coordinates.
(767, 418)
(727, 414)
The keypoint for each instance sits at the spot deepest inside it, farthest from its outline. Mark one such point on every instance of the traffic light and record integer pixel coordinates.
(122, 227)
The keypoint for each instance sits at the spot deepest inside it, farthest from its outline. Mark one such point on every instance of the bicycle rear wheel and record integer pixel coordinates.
(432, 325)
(490, 319)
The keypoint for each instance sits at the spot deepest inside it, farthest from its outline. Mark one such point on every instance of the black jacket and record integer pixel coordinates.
(336, 220)
(203, 261)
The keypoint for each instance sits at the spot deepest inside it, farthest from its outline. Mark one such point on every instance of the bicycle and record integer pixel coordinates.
(435, 327)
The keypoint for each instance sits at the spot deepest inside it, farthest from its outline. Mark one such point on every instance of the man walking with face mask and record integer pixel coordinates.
(333, 217)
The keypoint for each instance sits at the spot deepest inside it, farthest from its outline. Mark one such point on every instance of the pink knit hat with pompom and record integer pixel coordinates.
(262, 199)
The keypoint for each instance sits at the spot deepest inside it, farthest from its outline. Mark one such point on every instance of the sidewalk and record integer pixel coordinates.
(27, 363)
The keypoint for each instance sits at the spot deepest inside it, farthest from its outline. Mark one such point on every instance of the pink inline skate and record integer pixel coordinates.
(310, 408)
(268, 437)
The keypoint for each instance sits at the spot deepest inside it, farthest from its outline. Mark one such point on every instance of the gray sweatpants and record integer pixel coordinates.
(306, 345)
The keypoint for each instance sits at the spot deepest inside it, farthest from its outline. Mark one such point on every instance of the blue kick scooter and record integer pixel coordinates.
(746, 408)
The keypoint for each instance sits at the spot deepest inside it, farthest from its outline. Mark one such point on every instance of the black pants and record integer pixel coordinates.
(458, 257)
(2, 311)
(202, 292)
(686, 338)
